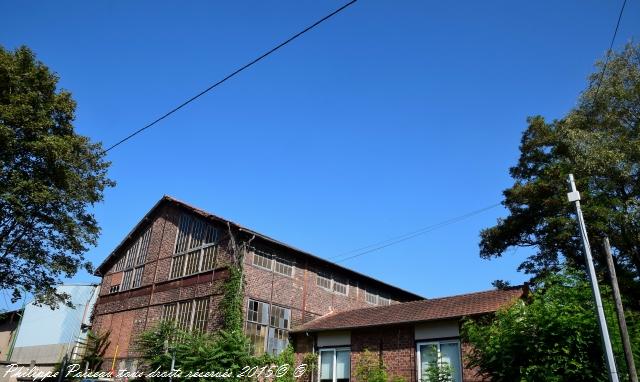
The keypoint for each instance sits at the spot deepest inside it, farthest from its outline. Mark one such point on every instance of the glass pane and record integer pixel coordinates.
(342, 365)
(450, 354)
(428, 358)
(326, 366)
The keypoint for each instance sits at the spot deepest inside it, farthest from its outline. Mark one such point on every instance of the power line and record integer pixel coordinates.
(398, 239)
(606, 61)
(229, 76)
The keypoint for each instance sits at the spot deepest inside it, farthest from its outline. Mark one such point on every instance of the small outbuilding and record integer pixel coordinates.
(407, 337)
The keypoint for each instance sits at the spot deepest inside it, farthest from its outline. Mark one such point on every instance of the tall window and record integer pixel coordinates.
(195, 247)
(267, 327)
(437, 353)
(188, 315)
(335, 365)
(132, 262)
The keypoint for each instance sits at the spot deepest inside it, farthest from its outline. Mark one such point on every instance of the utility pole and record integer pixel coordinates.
(622, 322)
(574, 196)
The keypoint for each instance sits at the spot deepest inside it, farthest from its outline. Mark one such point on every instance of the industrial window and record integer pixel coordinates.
(137, 277)
(126, 279)
(262, 261)
(340, 287)
(195, 247)
(267, 327)
(188, 315)
(283, 267)
(119, 265)
(383, 301)
(136, 254)
(193, 263)
(169, 312)
(335, 365)
(114, 288)
(208, 258)
(200, 315)
(185, 311)
(371, 298)
(257, 325)
(323, 282)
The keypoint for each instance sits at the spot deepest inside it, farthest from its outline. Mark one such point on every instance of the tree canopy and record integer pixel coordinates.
(599, 142)
(554, 336)
(50, 177)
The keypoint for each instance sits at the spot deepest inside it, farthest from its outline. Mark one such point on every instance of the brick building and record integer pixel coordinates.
(173, 265)
(407, 337)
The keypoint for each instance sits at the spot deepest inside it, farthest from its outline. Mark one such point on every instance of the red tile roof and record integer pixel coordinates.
(417, 311)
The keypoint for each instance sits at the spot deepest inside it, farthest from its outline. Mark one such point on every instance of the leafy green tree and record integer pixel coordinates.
(50, 176)
(438, 371)
(552, 337)
(599, 142)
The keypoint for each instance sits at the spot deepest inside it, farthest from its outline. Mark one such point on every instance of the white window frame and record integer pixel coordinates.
(335, 363)
(366, 296)
(257, 255)
(458, 378)
(322, 276)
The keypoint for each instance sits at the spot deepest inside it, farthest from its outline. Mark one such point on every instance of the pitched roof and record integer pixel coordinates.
(102, 268)
(417, 311)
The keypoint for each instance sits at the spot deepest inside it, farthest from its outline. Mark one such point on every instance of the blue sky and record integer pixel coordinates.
(390, 117)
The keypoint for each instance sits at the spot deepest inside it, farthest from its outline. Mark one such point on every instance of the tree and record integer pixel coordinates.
(599, 142)
(369, 367)
(552, 337)
(95, 347)
(49, 178)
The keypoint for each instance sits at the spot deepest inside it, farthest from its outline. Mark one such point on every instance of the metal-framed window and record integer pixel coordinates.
(267, 327)
(262, 260)
(323, 281)
(114, 288)
(340, 287)
(126, 279)
(384, 301)
(370, 297)
(272, 263)
(334, 365)
(332, 284)
(188, 315)
(283, 267)
(136, 254)
(195, 248)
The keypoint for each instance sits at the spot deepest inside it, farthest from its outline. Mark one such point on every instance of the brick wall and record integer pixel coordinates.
(126, 313)
(395, 345)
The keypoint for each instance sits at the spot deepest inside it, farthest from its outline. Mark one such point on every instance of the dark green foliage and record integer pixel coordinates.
(154, 344)
(50, 177)
(553, 337)
(599, 142)
(95, 347)
(231, 305)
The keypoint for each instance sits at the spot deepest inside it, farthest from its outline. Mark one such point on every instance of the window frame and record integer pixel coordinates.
(130, 261)
(267, 321)
(202, 229)
(335, 351)
(438, 342)
(175, 310)
(274, 260)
